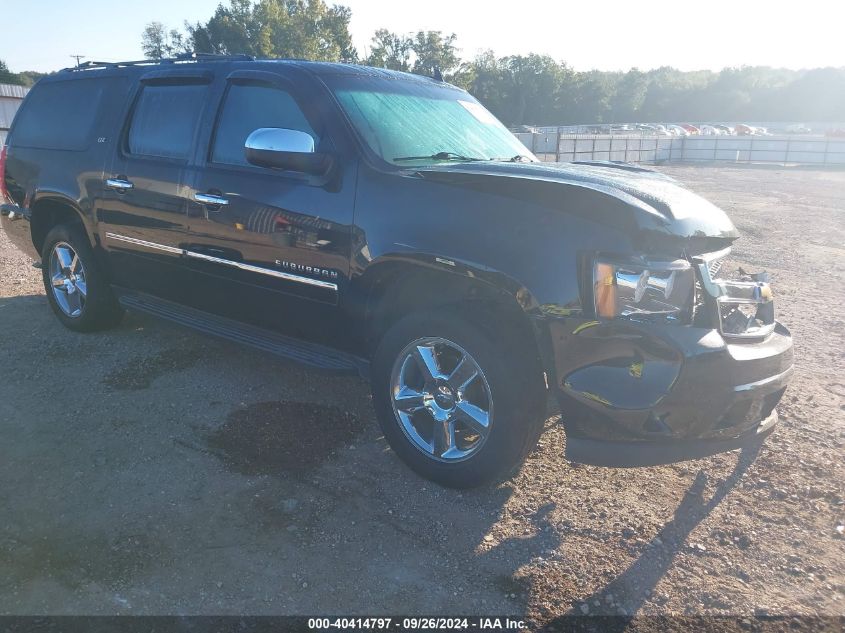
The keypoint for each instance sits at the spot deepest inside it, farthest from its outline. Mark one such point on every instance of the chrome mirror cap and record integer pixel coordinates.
(274, 139)
(289, 150)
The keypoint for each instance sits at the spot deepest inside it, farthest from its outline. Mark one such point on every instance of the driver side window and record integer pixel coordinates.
(248, 107)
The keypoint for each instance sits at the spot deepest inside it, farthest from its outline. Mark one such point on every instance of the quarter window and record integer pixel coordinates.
(165, 120)
(64, 115)
(250, 107)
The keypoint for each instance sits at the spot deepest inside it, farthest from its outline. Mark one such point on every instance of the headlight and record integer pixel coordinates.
(653, 291)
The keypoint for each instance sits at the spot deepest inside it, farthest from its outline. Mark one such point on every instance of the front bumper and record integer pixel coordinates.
(639, 394)
(650, 453)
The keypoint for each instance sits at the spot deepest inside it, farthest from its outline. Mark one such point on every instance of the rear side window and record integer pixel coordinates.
(165, 120)
(60, 115)
(248, 107)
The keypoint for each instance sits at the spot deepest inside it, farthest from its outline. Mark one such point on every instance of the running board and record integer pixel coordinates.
(310, 354)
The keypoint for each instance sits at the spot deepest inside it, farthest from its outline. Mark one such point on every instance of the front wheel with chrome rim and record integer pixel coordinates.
(76, 287)
(458, 407)
(442, 399)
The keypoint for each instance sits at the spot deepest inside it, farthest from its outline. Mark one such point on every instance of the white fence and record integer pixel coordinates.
(785, 150)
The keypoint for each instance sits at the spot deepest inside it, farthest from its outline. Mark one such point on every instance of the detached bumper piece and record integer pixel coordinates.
(636, 454)
(632, 455)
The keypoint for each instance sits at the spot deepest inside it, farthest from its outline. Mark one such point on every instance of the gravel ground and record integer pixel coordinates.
(151, 470)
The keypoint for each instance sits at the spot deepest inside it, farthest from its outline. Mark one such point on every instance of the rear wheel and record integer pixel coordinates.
(76, 288)
(459, 405)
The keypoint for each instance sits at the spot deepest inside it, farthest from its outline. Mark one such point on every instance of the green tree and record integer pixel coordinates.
(390, 50)
(480, 76)
(519, 89)
(8, 77)
(434, 50)
(307, 29)
(153, 41)
(591, 98)
(336, 22)
(629, 95)
(817, 95)
(29, 77)
(420, 53)
(158, 42)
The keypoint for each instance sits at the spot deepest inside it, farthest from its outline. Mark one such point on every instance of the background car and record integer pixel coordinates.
(798, 128)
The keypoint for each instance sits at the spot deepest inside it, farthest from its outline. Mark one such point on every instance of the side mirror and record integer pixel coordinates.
(280, 148)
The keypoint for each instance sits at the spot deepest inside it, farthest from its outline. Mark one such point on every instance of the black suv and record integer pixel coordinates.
(365, 220)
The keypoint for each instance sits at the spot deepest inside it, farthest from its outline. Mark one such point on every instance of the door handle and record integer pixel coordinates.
(119, 184)
(211, 200)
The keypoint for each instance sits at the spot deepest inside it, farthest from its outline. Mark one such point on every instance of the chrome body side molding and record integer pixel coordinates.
(225, 262)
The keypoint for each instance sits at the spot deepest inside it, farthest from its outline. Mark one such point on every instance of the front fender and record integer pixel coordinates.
(449, 281)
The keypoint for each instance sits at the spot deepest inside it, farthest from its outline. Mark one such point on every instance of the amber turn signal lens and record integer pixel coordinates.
(605, 290)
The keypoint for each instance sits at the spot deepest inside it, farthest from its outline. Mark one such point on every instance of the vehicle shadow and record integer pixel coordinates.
(153, 426)
(353, 531)
(633, 588)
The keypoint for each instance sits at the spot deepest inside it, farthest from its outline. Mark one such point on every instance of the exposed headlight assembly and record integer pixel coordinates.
(745, 307)
(643, 290)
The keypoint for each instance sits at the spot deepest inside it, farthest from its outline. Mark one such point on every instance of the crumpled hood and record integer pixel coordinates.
(679, 210)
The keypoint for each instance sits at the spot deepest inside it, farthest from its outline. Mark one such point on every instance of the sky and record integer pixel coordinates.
(608, 35)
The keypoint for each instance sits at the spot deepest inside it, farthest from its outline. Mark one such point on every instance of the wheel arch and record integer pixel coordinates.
(48, 211)
(397, 286)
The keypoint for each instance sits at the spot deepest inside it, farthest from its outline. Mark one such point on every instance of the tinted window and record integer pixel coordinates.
(247, 108)
(165, 120)
(61, 115)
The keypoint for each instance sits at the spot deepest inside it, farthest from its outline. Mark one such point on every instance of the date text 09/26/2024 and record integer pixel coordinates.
(418, 623)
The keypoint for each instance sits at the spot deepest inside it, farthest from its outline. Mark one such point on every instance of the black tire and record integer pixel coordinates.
(515, 386)
(100, 309)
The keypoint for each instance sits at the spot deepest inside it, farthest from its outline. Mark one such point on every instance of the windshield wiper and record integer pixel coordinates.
(440, 156)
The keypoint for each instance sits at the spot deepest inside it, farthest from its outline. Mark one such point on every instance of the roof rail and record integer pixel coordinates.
(182, 58)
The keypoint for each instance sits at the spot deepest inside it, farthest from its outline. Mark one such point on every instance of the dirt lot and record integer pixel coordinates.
(153, 470)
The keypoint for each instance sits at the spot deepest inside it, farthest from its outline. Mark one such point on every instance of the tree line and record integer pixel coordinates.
(519, 89)
(26, 78)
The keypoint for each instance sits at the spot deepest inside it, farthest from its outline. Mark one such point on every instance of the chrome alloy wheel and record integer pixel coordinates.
(67, 277)
(441, 399)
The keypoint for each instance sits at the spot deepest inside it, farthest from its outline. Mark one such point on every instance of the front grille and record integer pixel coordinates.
(704, 310)
(714, 267)
(700, 314)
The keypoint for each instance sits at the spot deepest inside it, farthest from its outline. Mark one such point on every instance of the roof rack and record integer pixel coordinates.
(184, 57)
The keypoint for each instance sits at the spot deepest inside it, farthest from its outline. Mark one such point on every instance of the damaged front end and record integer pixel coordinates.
(742, 304)
(684, 359)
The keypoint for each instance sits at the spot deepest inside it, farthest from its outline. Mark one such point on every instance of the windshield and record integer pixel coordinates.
(410, 122)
